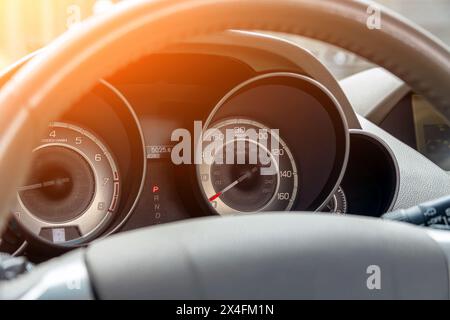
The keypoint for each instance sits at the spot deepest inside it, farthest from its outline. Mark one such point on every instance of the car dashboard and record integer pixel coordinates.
(126, 156)
(414, 122)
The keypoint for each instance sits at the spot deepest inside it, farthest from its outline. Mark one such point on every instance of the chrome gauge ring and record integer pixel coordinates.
(73, 188)
(246, 168)
(338, 204)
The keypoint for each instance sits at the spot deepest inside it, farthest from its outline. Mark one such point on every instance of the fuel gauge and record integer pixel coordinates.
(338, 204)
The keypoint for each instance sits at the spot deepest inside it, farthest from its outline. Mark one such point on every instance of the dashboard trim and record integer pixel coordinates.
(420, 179)
(394, 161)
(122, 97)
(294, 54)
(374, 93)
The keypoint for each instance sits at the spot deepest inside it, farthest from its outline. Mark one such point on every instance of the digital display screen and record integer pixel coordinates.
(437, 145)
(432, 132)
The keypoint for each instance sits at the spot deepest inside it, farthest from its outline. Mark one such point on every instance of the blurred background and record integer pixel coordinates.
(27, 25)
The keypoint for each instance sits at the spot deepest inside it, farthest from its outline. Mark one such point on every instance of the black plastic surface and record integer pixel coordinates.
(270, 256)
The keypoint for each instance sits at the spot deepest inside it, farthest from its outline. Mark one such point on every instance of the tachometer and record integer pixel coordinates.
(73, 188)
(247, 168)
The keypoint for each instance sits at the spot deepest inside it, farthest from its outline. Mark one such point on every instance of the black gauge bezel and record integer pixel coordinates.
(315, 91)
(133, 177)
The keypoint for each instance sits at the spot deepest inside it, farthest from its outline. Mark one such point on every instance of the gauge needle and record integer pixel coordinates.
(234, 184)
(44, 184)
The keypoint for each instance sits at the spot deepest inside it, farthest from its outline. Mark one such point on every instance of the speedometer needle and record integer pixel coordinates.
(234, 184)
(44, 184)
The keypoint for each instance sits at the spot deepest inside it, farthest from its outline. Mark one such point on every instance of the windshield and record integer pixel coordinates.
(27, 25)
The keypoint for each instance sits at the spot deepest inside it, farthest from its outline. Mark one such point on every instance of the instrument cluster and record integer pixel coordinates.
(136, 154)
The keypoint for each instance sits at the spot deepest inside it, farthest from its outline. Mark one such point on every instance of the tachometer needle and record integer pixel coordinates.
(44, 184)
(234, 184)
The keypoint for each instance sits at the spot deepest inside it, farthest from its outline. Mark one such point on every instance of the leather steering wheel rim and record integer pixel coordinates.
(56, 78)
(214, 256)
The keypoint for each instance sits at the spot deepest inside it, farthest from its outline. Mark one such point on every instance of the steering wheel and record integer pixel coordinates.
(264, 256)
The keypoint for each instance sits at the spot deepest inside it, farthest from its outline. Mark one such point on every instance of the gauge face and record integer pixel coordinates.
(247, 168)
(73, 187)
(338, 203)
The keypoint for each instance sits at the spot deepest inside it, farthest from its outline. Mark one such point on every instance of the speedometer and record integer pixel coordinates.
(247, 168)
(73, 188)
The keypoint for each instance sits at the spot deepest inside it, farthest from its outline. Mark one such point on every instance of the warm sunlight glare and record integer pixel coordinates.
(27, 25)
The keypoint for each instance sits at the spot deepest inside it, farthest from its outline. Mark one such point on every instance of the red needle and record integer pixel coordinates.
(234, 184)
(215, 197)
